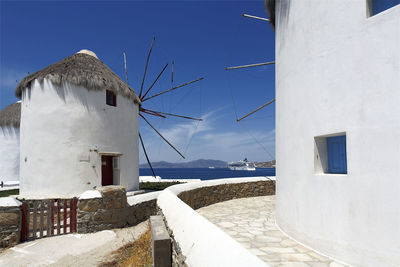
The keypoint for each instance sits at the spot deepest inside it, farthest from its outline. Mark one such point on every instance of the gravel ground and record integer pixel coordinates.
(71, 250)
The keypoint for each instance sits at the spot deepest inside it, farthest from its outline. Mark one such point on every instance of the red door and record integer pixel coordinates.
(106, 171)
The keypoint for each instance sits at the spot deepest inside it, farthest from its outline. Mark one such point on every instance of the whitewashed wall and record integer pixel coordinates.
(9, 153)
(338, 70)
(63, 132)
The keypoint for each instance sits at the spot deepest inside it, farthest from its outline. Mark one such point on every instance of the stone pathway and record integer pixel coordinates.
(251, 222)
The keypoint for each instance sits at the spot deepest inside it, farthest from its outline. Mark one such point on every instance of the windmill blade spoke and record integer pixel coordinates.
(180, 116)
(257, 109)
(147, 158)
(250, 65)
(254, 17)
(147, 63)
(172, 74)
(126, 73)
(151, 86)
(173, 88)
(151, 112)
(162, 136)
(158, 113)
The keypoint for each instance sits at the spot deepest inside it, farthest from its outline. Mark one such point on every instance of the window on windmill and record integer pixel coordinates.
(111, 98)
(330, 155)
(377, 6)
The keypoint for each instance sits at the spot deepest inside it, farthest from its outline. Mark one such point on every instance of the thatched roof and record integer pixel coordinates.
(270, 6)
(11, 115)
(81, 69)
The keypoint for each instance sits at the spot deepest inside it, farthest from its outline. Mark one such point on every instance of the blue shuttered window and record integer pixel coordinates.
(381, 5)
(337, 162)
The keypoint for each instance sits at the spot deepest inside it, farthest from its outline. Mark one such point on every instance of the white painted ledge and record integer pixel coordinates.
(202, 242)
(90, 194)
(9, 202)
(11, 183)
(6, 188)
(157, 179)
(143, 179)
(133, 200)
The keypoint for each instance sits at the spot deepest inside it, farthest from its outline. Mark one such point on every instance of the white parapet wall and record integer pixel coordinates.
(133, 200)
(7, 202)
(200, 241)
(158, 179)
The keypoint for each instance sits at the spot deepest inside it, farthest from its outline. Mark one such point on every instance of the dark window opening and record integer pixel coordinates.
(111, 98)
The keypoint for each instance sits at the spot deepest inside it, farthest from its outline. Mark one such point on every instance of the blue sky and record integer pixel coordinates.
(202, 37)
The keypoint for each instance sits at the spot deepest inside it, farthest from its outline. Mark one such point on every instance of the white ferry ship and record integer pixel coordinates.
(242, 165)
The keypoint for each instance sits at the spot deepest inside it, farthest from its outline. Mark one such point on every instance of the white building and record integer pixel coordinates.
(9, 144)
(79, 129)
(338, 75)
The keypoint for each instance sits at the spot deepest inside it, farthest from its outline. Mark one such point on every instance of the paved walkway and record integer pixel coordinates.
(251, 222)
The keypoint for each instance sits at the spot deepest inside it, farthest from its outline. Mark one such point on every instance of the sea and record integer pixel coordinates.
(204, 173)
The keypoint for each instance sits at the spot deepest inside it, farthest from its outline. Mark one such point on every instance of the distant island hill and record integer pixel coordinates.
(202, 163)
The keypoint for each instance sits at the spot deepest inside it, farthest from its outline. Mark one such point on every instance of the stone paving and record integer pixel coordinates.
(251, 222)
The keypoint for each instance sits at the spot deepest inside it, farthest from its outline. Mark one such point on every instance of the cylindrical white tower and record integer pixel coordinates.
(9, 144)
(338, 127)
(79, 129)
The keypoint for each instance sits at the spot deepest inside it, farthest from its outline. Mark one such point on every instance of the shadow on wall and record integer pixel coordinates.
(63, 91)
(9, 131)
(282, 16)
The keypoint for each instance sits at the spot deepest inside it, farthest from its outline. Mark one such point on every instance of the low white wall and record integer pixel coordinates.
(64, 130)
(201, 242)
(157, 179)
(133, 200)
(9, 202)
(9, 153)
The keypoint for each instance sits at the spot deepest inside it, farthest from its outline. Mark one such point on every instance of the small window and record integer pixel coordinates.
(330, 154)
(378, 6)
(111, 98)
(336, 147)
